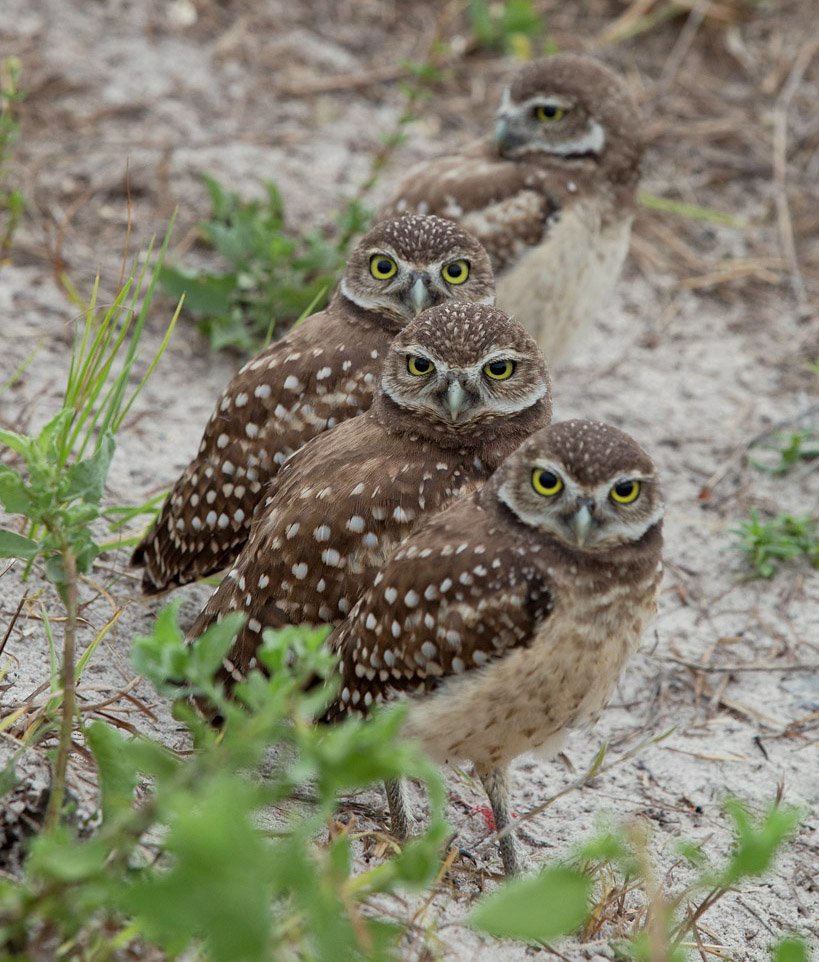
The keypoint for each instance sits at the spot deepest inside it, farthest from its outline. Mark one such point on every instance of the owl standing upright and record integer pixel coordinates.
(321, 373)
(551, 196)
(506, 620)
(462, 385)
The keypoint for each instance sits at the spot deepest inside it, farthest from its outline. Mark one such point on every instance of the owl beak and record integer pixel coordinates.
(420, 296)
(505, 138)
(581, 523)
(456, 399)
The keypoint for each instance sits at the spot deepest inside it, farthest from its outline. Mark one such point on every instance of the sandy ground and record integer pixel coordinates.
(704, 349)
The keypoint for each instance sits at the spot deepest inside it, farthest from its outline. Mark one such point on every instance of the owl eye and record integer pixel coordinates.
(546, 482)
(419, 366)
(548, 113)
(455, 272)
(624, 492)
(499, 370)
(382, 267)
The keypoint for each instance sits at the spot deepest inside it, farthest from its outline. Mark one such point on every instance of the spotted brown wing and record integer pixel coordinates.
(458, 594)
(319, 375)
(507, 205)
(335, 512)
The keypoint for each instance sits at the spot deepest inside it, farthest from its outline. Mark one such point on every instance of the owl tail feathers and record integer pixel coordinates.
(155, 581)
(166, 566)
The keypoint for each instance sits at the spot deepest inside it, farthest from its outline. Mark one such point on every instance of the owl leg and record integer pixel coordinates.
(399, 818)
(496, 783)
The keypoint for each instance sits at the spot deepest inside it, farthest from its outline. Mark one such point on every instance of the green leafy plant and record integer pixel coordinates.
(11, 201)
(767, 544)
(182, 860)
(514, 27)
(59, 486)
(580, 896)
(274, 276)
(790, 950)
(786, 451)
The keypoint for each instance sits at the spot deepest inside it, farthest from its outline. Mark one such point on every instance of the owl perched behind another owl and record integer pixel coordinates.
(507, 619)
(461, 387)
(550, 196)
(321, 373)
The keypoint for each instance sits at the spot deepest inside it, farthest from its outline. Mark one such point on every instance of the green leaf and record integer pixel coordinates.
(217, 886)
(13, 545)
(17, 442)
(553, 903)
(13, 492)
(55, 570)
(207, 652)
(790, 950)
(49, 442)
(167, 660)
(210, 294)
(692, 853)
(757, 844)
(8, 778)
(117, 774)
(57, 856)
(162, 656)
(86, 479)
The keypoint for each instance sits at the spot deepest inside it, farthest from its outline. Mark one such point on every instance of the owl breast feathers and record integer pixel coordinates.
(321, 373)
(550, 195)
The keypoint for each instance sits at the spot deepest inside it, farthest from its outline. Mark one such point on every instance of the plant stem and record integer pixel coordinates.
(688, 925)
(55, 801)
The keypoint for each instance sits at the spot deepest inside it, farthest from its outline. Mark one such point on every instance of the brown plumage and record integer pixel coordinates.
(550, 196)
(462, 386)
(507, 619)
(320, 374)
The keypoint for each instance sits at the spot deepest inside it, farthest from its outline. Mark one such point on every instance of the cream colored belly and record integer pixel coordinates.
(529, 699)
(557, 288)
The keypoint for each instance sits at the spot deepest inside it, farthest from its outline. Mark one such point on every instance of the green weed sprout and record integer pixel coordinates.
(59, 487)
(514, 27)
(12, 202)
(767, 544)
(274, 274)
(567, 898)
(786, 452)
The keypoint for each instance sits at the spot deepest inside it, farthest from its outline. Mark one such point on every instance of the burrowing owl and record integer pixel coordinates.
(461, 387)
(323, 372)
(507, 619)
(551, 195)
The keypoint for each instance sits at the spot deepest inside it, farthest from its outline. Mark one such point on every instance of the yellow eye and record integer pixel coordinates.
(455, 272)
(419, 366)
(624, 492)
(382, 267)
(499, 370)
(546, 482)
(548, 113)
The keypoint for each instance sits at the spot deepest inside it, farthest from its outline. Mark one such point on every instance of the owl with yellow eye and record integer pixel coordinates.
(505, 621)
(462, 385)
(550, 193)
(321, 373)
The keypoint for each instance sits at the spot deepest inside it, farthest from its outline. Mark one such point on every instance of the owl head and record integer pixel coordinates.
(459, 370)
(405, 265)
(572, 107)
(585, 483)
